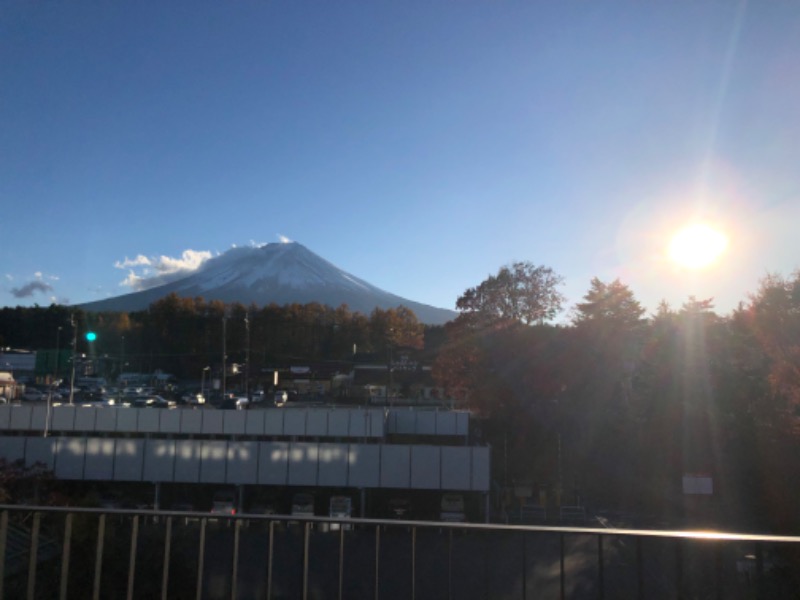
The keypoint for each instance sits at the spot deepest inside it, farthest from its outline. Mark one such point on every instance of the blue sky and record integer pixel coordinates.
(417, 145)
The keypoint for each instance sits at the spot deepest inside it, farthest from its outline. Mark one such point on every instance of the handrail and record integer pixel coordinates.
(689, 534)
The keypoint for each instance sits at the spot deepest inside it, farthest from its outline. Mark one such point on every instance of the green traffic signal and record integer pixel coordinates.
(91, 336)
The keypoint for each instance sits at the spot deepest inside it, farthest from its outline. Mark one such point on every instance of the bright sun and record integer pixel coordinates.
(697, 246)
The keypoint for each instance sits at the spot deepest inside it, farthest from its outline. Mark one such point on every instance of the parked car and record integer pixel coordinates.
(303, 505)
(194, 399)
(153, 402)
(224, 502)
(34, 395)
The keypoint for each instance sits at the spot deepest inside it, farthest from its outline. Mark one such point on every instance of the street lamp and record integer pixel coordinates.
(203, 383)
(52, 384)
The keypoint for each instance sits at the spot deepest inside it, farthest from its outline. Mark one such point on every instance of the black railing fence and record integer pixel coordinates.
(114, 554)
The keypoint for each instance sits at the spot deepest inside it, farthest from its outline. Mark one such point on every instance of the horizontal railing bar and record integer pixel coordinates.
(699, 535)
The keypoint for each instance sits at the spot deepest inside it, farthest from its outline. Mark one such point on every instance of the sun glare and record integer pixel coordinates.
(697, 246)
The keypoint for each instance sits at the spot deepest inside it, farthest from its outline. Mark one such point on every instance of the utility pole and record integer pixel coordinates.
(74, 351)
(224, 352)
(247, 356)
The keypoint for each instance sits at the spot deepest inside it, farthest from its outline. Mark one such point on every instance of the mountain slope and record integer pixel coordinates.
(283, 273)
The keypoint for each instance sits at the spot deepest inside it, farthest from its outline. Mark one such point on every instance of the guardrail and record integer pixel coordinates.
(170, 554)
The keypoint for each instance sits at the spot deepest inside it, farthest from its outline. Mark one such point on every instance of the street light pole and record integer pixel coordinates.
(74, 350)
(203, 383)
(247, 356)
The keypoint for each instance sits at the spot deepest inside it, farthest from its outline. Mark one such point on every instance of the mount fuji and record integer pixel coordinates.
(280, 273)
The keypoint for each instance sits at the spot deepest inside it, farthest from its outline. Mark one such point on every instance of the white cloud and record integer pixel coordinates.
(147, 272)
(283, 239)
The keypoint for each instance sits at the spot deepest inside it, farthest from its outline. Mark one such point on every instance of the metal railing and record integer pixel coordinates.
(169, 554)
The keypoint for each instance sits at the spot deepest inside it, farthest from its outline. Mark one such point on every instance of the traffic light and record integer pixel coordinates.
(91, 336)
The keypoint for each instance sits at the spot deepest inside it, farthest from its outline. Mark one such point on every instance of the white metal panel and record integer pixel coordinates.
(255, 422)
(364, 465)
(463, 423)
(338, 422)
(106, 419)
(191, 420)
(126, 419)
(148, 419)
(129, 460)
(333, 465)
(426, 422)
(187, 461)
(70, 453)
(63, 418)
(377, 423)
(317, 422)
(84, 418)
(213, 456)
(21, 418)
(170, 421)
(212, 421)
(446, 422)
(359, 423)
(242, 462)
(99, 463)
(5, 415)
(456, 467)
(38, 417)
(273, 421)
(159, 462)
(294, 421)
(273, 463)
(404, 421)
(39, 450)
(303, 462)
(395, 466)
(12, 448)
(481, 469)
(233, 422)
(425, 468)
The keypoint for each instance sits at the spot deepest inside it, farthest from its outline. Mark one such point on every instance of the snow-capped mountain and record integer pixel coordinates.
(282, 273)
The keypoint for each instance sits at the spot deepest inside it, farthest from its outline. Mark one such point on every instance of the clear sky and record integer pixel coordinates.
(419, 145)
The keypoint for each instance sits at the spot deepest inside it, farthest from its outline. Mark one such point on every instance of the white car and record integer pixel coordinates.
(34, 395)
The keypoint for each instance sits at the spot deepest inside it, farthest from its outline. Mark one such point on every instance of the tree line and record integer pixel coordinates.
(611, 408)
(182, 336)
(616, 407)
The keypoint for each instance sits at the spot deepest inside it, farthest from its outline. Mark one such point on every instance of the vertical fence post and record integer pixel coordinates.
(132, 558)
(237, 527)
(306, 538)
(639, 569)
(341, 561)
(450, 564)
(561, 565)
(3, 538)
(33, 556)
(524, 568)
(201, 557)
(601, 583)
(413, 563)
(678, 569)
(167, 551)
(65, 550)
(377, 561)
(270, 558)
(98, 561)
